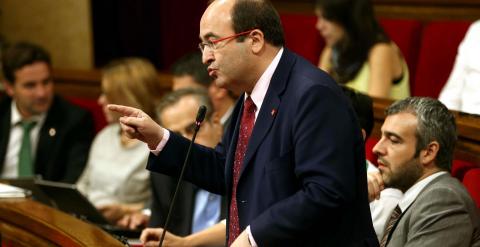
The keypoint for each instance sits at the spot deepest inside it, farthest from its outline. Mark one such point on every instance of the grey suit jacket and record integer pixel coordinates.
(443, 214)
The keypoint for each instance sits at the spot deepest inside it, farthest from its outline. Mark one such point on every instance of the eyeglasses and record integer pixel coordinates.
(212, 44)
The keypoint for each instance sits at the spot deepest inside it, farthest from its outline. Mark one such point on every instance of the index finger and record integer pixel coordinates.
(124, 110)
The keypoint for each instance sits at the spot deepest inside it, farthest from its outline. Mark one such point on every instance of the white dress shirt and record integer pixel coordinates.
(462, 90)
(10, 167)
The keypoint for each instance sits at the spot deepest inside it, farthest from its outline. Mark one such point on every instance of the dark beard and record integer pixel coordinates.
(405, 177)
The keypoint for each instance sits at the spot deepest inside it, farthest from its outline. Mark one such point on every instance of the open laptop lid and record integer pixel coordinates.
(67, 198)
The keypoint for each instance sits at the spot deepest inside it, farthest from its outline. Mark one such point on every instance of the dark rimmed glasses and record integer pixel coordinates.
(213, 44)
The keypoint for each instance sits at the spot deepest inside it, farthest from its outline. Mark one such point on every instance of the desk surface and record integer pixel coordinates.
(24, 222)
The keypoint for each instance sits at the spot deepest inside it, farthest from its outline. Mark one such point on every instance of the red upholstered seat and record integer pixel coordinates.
(94, 108)
(369, 155)
(406, 34)
(460, 167)
(438, 49)
(301, 36)
(472, 183)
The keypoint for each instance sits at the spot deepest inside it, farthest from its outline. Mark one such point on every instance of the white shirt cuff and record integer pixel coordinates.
(250, 238)
(163, 142)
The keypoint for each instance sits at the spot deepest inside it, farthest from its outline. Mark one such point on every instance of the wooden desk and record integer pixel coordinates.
(24, 222)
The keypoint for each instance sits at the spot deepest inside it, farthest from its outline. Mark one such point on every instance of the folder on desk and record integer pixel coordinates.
(67, 198)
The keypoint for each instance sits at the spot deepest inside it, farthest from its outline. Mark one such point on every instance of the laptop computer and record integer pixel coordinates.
(68, 199)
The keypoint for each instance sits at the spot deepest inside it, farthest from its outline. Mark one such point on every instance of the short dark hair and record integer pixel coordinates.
(175, 96)
(21, 54)
(434, 123)
(258, 14)
(191, 64)
(363, 106)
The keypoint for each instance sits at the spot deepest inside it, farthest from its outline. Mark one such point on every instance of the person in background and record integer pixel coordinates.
(382, 201)
(115, 179)
(189, 72)
(415, 154)
(462, 90)
(40, 132)
(293, 164)
(195, 208)
(358, 52)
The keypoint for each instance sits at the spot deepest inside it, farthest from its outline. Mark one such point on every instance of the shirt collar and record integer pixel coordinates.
(412, 193)
(261, 87)
(16, 118)
(227, 114)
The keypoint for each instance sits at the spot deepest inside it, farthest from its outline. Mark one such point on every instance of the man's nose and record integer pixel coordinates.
(207, 55)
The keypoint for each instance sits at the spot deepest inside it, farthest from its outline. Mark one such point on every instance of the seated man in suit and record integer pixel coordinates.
(40, 133)
(195, 209)
(414, 155)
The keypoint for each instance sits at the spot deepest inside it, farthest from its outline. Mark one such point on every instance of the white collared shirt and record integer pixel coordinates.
(261, 87)
(10, 167)
(412, 193)
(463, 86)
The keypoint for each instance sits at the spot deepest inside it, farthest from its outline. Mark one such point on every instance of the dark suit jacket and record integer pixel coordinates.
(62, 156)
(163, 188)
(443, 214)
(303, 180)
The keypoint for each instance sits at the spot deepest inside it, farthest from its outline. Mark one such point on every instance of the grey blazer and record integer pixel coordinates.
(443, 214)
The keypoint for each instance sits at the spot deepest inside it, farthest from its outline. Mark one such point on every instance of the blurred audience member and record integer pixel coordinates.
(115, 179)
(40, 132)
(358, 52)
(462, 91)
(190, 72)
(415, 155)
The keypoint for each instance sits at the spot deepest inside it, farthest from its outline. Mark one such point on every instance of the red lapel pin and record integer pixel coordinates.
(273, 112)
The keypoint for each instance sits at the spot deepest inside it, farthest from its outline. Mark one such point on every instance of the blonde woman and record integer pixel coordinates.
(115, 179)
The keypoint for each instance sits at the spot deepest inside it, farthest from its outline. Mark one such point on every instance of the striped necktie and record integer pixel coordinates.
(394, 217)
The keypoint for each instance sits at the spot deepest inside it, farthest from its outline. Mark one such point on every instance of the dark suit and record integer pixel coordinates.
(443, 214)
(63, 143)
(303, 180)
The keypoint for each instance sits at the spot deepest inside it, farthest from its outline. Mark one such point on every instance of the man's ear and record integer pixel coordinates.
(429, 153)
(8, 87)
(258, 41)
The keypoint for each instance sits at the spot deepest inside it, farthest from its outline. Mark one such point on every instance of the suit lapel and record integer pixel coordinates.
(270, 106)
(4, 130)
(46, 139)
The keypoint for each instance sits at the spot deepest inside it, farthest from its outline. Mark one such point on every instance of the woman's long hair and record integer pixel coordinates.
(362, 31)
